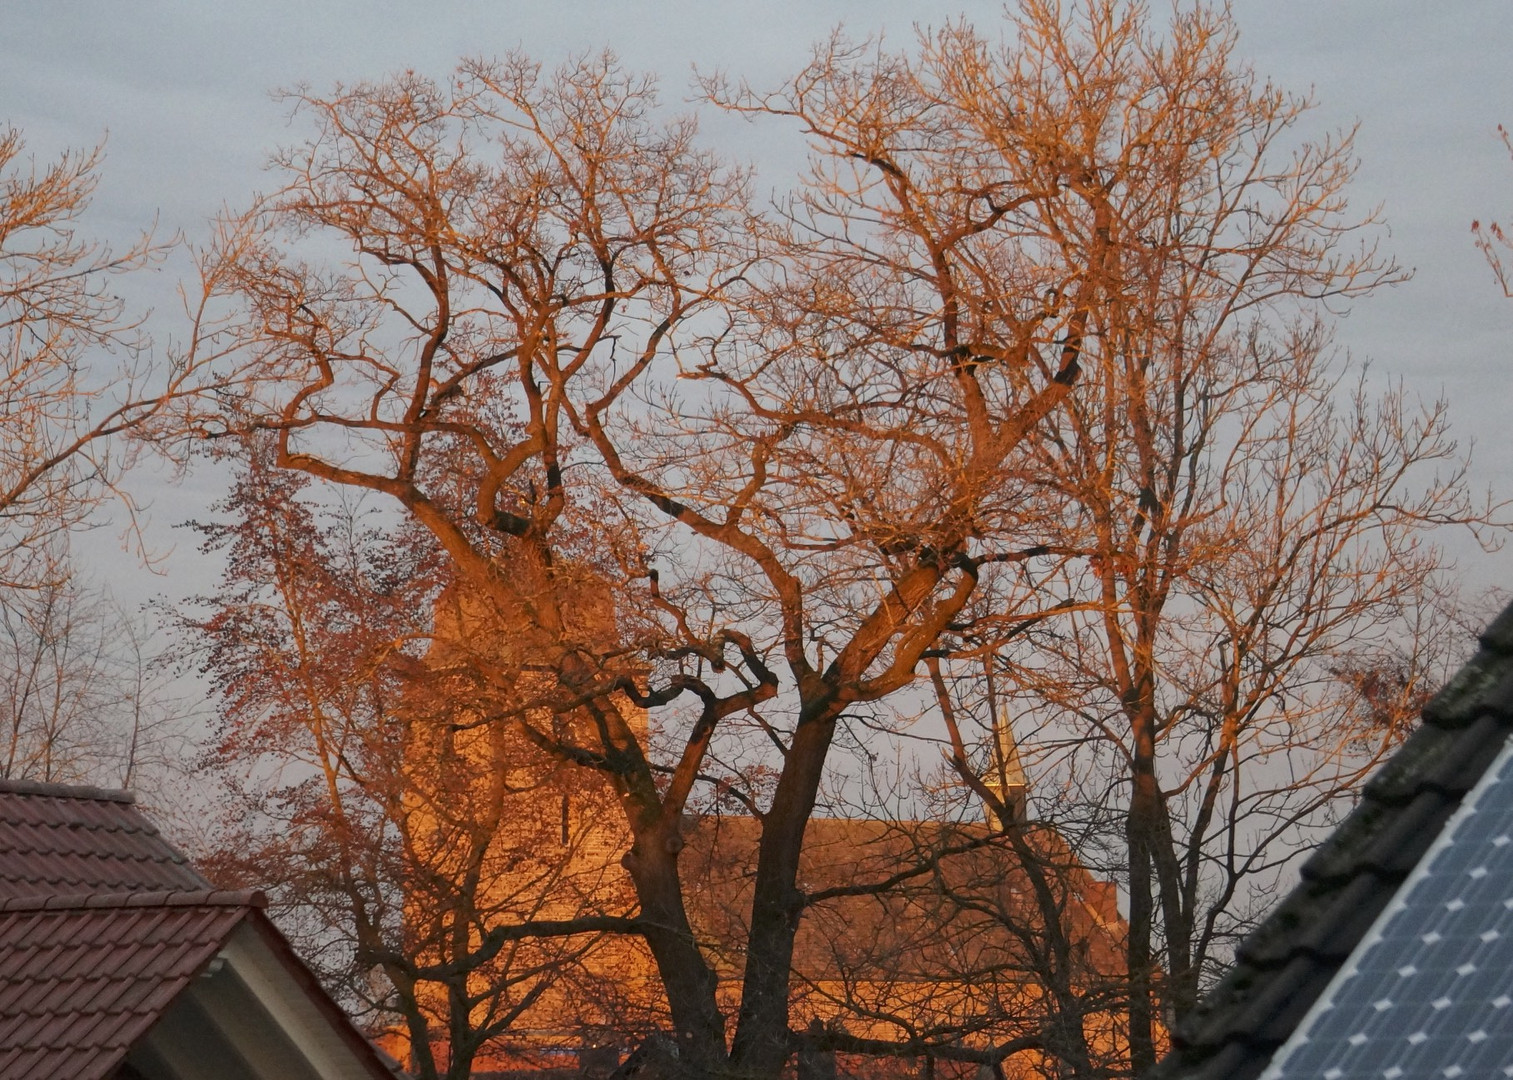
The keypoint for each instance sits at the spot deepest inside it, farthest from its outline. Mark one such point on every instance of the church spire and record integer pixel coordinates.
(1004, 776)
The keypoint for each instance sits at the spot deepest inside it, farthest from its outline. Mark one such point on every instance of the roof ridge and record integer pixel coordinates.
(254, 898)
(66, 791)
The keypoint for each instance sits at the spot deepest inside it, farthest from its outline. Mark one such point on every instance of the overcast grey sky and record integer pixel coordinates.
(182, 90)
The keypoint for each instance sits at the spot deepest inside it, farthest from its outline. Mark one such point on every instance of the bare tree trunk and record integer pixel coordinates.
(761, 1044)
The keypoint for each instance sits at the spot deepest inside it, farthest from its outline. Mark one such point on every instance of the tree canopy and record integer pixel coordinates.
(1016, 414)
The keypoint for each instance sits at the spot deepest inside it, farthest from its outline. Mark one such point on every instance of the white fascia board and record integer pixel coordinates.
(290, 1005)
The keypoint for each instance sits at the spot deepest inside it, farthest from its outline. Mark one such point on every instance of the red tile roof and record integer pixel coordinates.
(83, 978)
(103, 924)
(57, 840)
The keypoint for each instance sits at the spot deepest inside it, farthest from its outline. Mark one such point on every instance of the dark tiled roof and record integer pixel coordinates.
(1287, 962)
(83, 978)
(57, 840)
(1429, 992)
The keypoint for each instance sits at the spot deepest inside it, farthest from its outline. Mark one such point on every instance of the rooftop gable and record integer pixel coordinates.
(83, 979)
(118, 959)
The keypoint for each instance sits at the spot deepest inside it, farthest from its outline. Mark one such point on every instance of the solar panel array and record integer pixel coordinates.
(1429, 993)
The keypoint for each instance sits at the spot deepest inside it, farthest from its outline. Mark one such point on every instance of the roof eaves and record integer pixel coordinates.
(372, 1059)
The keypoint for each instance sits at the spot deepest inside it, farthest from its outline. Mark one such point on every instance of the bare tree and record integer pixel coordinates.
(72, 361)
(802, 454)
(485, 284)
(82, 697)
(1490, 238)
(1253, 606)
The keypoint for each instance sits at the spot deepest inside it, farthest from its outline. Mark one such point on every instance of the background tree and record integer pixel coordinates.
(1490, 238)
(506, 278)
(83, 697)
(809, 452)
(1246, 573)
(83, 700)
(60, 318)
(585, 239)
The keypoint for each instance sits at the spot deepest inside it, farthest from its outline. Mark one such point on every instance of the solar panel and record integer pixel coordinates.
(1429, 992)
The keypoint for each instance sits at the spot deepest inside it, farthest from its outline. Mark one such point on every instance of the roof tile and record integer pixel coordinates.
(1272, 1014)
(1397, 846)
(102, 924)
(104, 992)
(1498, 637)
(1231, 1061)
(1483, 682)
(31, 1065)
(55, 839)
(1430, 751)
